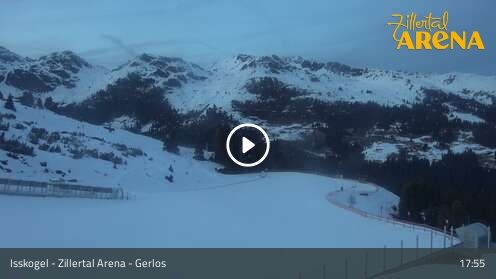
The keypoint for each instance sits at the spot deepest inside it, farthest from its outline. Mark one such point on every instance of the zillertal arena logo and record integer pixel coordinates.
(431, 32)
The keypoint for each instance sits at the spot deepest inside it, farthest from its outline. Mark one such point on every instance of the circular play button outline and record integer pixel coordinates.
(267, 145)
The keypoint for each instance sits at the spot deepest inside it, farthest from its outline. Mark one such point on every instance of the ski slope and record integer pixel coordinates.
(201, 208)
(280, 210)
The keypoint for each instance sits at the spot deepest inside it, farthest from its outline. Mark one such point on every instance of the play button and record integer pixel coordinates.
(248, 145)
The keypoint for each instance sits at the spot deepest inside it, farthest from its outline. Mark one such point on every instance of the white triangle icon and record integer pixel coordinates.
(246, 145)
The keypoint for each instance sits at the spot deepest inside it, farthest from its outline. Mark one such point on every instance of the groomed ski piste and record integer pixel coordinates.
(200, 208)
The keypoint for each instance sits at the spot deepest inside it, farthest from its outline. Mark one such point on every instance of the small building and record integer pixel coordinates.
(475, 235)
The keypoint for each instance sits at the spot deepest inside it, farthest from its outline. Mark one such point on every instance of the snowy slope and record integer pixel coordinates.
(465, 117)
(201, 208)
(280, 210)
(151, 166)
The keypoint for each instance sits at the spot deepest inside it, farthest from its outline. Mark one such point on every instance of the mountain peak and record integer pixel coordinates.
(164, 71)
(68, 60)
(158, 60)
(273, 63)
(279, 64)
(7, 56)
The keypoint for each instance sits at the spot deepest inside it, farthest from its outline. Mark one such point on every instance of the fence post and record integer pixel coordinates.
(346, 268)
(444, 237)
(451, 236)
(432, 235)
(384, 259)
(366, 264)
(401, 253)
(488, 236)
(417, 248)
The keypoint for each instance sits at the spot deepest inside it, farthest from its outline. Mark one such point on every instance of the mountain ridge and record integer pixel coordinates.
(327, 81)
(246, 87)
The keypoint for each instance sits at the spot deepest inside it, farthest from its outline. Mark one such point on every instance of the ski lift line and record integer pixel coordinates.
(218, 186)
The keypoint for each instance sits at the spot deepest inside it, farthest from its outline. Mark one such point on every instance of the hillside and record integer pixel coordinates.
(416, 134)
(292, 97)
(199, 208)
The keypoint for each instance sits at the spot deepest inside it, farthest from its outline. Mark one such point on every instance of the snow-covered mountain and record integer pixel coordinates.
(69, 78)
(247, 88)
(192, 87)
(64, 75)
(334, 82)
(9, 57)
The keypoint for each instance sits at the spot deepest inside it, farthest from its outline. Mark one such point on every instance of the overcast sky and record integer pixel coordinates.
(109, 32)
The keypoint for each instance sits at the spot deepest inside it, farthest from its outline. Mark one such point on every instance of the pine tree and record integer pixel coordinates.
(39, 103)
(458, 212)
(27, 99)
(9, 104)
(50, 104)
(170, 145)
(199, 154)
(221, 156)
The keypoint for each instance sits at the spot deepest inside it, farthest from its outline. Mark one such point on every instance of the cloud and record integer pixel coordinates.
(120, 45)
